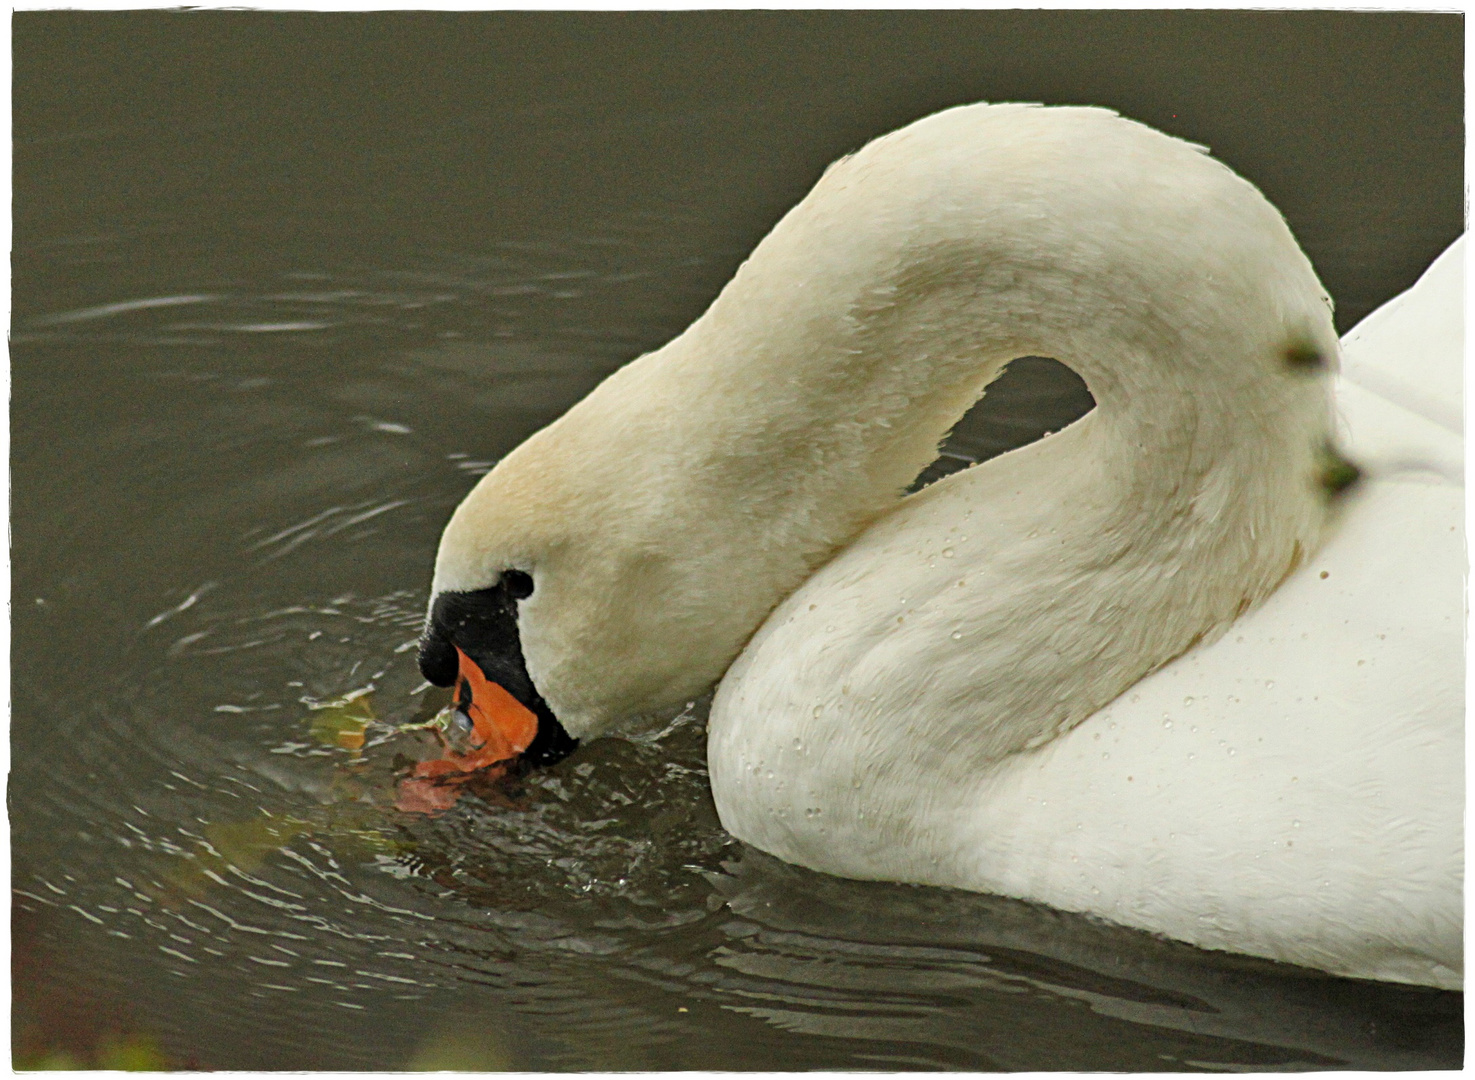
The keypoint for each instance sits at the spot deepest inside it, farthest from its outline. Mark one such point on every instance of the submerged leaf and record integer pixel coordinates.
(243, 845)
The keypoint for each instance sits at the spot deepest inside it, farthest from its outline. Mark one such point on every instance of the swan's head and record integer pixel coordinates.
(584, 581)
(526, 581)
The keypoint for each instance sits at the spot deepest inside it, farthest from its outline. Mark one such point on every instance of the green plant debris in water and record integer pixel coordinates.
(343, 722)
(350, 822)
(242, 845)
(245, 845)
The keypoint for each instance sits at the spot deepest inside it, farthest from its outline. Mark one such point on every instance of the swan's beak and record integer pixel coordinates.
(489, 724)
(471, 643)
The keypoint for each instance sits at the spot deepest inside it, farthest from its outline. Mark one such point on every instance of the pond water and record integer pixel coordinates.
(285, 285)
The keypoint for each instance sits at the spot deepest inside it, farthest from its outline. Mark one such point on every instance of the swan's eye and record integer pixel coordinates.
(519, 584)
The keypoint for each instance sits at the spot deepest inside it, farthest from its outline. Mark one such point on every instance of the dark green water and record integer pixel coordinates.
(284, 285)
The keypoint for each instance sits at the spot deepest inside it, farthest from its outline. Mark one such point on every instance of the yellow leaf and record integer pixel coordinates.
(342, 722)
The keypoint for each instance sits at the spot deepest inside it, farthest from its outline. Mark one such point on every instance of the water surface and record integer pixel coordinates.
(285, 285)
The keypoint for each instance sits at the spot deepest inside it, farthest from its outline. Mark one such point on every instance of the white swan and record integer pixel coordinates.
(976, 685)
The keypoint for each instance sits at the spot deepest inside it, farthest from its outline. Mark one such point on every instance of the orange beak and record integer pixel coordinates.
(501, 729)
(501, 726)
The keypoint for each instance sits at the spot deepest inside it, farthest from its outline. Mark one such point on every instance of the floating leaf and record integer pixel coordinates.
(342, 722)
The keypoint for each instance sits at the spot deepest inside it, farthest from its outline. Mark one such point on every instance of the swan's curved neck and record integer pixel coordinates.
(877, 311)
(1016, 598)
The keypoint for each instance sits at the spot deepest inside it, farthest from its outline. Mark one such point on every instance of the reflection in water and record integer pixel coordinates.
(242, 415)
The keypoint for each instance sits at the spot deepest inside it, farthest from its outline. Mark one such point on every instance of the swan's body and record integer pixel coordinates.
(1293, 790)
(943, 700)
